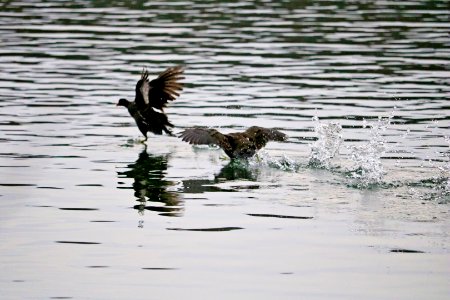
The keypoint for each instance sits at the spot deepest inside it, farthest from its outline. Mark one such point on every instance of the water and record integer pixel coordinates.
(354, 205)
(329, 140)
(368, 167)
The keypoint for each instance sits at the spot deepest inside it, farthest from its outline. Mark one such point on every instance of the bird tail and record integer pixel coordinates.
(158, 122)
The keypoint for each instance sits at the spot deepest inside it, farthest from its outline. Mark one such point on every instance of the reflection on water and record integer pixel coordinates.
(150, 186)
(234, 170)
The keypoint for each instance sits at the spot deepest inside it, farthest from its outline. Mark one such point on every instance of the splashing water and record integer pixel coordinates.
(286, 164)
(367, 168)
(264, 159)
(437, 188)
(444, 189)
(327, 145)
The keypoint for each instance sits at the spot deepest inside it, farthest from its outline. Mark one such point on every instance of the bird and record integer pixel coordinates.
(237, 144)
(152, 96)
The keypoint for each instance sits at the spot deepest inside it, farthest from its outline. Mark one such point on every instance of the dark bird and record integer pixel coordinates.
(237, 144)
(152, 96)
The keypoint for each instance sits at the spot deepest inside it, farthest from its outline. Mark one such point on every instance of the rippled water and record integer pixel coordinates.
(354, 205)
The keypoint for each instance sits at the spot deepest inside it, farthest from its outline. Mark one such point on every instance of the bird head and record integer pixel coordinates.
(268, 134)
(123, 102)
(261, 135)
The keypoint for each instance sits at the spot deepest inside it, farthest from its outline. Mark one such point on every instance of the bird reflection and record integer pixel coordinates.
(235, 170)
(150, 186)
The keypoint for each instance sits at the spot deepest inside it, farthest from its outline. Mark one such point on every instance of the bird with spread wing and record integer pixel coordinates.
(237, 144)
(152, 96)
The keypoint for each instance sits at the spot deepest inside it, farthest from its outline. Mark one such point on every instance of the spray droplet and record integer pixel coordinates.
(327, 145)
(366, 158)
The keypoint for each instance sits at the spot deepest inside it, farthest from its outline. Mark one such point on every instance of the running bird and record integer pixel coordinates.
(237, 144)
(152, 96)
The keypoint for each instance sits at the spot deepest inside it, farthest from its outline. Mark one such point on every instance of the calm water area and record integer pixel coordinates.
(354, 205)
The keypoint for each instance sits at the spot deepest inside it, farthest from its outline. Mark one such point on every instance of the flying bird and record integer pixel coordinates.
(152, 96)
(237, 144)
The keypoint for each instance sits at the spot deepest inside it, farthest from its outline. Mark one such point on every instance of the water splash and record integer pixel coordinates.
(263, 159)
(443, 190)
(367, 170)
(285, 163)
(327, 145)
(436, 188)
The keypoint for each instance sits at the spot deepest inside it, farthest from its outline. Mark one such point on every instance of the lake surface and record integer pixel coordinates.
(354, 205)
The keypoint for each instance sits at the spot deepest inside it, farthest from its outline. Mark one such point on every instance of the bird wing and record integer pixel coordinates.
(142, 89)
(205, 136)
(159, 91)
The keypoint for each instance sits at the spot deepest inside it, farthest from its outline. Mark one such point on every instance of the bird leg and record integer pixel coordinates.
(144, 141)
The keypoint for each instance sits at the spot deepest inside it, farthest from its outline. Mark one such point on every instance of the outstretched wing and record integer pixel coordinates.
(261, 135)
(159, 91)
(205, 136)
